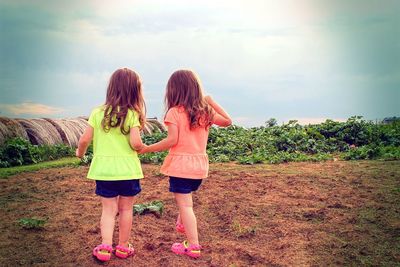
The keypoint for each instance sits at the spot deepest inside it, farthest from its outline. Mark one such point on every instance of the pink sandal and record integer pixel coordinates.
(124, 252)
(180, 228)
(185, 249)
(103, 252)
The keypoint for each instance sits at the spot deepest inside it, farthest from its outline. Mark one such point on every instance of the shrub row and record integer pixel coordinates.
(18, 151)
(354, 139)
(351, 140)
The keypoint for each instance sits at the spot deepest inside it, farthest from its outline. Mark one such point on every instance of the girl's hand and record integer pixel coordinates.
(143, 149)
(77, 154)
(84, 142)
(221, 118)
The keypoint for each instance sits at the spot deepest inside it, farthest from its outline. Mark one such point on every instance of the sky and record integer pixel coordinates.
(308, 60)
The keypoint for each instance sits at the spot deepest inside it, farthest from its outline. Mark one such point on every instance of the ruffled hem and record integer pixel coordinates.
(186, 166)
(108, 168)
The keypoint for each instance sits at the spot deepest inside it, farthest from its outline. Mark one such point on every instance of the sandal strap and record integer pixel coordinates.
(104, 247)
(128, 249)
(191, 247)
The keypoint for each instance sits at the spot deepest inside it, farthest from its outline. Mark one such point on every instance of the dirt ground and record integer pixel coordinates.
(296, 214)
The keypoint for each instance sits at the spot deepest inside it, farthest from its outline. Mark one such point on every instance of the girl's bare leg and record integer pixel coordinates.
(125, 205)
(179, 220)
(107, 221)
(185, 205)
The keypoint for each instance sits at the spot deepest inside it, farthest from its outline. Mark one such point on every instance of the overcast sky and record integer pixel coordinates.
(299, 59)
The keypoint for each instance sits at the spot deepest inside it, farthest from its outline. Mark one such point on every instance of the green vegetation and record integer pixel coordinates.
(156, 158)
(155, 207)
(18, 151)
(241, 231)
(351, 140)
(32, 223)
(70, 161)
(354, 139)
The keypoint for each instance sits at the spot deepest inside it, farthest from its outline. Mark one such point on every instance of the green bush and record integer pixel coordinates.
(373, 152)
(354, 139)
(155, 158)
(293, 142)
(18, 151)
(390, 153)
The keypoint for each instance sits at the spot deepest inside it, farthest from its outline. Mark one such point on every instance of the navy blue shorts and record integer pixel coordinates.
(183, 185)
(125, 188)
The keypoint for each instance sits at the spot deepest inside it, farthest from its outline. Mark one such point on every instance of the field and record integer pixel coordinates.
(334, 213)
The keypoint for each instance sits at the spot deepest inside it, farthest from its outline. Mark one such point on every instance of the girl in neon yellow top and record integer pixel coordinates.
(115, 130)
(188, 118)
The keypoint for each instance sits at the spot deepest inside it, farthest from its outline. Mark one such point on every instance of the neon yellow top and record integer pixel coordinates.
(113, 157)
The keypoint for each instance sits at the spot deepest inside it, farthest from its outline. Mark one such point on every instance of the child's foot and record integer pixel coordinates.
(103, 252)
(124, 252)
(185, 249)
(180, 228)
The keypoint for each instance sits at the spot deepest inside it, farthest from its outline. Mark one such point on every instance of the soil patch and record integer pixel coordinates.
(296, 214)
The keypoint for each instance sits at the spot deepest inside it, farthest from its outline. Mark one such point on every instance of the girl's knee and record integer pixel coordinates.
(184, 200)
(124, 209)
(185, 205)
(125, 204)
(110, 210)
(110, 205)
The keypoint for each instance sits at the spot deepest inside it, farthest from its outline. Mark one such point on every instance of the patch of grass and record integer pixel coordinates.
(158, 174)
(367, 215)
(241, 231)
(70, 161)
(32, 223)
(396, 190)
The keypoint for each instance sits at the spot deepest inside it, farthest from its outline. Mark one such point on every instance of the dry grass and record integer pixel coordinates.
(69, 130)
(55, 131)
(153, 125)
(10, 128)
(40, 131)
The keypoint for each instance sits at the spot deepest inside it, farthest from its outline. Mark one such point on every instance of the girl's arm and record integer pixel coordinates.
(84, 142)
(166, 143)
(221, 118)
(135, 140)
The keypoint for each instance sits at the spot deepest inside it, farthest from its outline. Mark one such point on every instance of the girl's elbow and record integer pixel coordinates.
(137, 146)
(83, 142)
(227, 122)
(172, 142)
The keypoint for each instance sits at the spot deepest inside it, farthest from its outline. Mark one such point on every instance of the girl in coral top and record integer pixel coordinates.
(188, 119)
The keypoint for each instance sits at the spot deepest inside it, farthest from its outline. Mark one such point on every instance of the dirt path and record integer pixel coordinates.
(297, 214)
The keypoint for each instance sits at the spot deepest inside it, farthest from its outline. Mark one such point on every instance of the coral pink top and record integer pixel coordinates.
(188, 158)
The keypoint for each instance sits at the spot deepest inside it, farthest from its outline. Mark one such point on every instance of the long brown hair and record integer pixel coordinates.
(124, 92)
(184, 89)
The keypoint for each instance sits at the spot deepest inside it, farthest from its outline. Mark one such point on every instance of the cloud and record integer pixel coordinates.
(28, 108)
(286, 59)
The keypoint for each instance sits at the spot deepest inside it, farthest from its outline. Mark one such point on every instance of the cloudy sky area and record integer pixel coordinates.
(300, 59)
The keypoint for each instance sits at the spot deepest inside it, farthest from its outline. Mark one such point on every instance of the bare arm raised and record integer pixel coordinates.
(221, 117)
